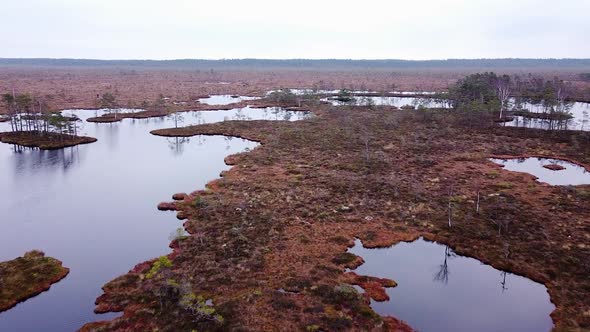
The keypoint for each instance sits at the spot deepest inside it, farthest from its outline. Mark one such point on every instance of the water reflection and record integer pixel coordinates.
(443, 273)
(177, 144)
(411, 102)
(27, 160)
(94, 206)
(430, 298)
(579, 112)
(224, 99)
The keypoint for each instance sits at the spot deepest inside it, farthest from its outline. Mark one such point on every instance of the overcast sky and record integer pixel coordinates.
(369, 29)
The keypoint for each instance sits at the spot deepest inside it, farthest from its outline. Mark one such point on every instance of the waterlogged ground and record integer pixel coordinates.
(298, 91)
(571, 174)
(580, 120)
(440, 291)
(224, 99)
(94, 206)
(391, 101)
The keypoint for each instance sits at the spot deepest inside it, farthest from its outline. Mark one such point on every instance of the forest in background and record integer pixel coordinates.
(312, 64)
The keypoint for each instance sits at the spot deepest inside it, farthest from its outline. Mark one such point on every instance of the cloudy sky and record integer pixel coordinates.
(369, 29)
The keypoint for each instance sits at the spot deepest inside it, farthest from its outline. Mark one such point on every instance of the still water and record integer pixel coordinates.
(439, 290)
(224, 99)
(392, 101)
(572, 174)
(580, 120)
(94, 206)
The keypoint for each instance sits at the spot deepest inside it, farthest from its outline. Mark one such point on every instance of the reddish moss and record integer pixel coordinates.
(247, 230)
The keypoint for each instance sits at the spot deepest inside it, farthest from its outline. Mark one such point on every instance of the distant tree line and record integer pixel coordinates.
(308, 63)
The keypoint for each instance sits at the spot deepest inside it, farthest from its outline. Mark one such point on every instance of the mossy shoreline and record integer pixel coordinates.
(283, 216)
(45, 141)
(27, 276)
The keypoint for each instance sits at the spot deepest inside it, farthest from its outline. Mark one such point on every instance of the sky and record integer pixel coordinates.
(313, 29)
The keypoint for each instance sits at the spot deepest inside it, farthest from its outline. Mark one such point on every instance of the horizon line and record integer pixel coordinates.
(287, 59)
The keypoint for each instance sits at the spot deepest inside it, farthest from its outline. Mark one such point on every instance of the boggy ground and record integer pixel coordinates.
(27, 276)
(267, 241)
(152, 113)
(78, 87)
(45, 141)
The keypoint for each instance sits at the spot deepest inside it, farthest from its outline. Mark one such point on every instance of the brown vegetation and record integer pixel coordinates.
(73, 87)
(554, 167)
(46, 141)
(545, 116)
(284, 216)
(28, 276)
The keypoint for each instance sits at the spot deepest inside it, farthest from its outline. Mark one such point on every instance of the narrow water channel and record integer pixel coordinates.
(94, 206)
(224, 99)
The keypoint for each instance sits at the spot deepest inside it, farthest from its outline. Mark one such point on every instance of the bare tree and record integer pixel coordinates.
(503, 87)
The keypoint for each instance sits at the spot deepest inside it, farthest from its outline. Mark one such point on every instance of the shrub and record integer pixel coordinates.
(162, 263)
(197, 306)
(283, 96)
(344, 258)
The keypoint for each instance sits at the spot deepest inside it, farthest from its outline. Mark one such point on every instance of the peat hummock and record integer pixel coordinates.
(116, 117)
(46, 141)
(27, 276)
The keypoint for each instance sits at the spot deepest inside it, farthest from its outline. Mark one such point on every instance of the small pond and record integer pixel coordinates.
(299, 91)
(94, 206)
(580, 120)
(392, 101)
(441, 291)
(224, 99)
(571, 174)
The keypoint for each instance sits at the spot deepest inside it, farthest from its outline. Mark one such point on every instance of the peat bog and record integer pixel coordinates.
(115, 224)
(555, 172)
(274, 242)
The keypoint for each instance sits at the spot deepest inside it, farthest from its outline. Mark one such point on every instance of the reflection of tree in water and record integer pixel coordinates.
(32, 159)
(177, 118)
(287, 116)
(503, 282)
(276, 112)
(228, 140)
(240, 115)
(157, 120)
(549, 124)
(176, 144)
(443, 273)
(110, 132)
(201, 139)
(198, 118)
